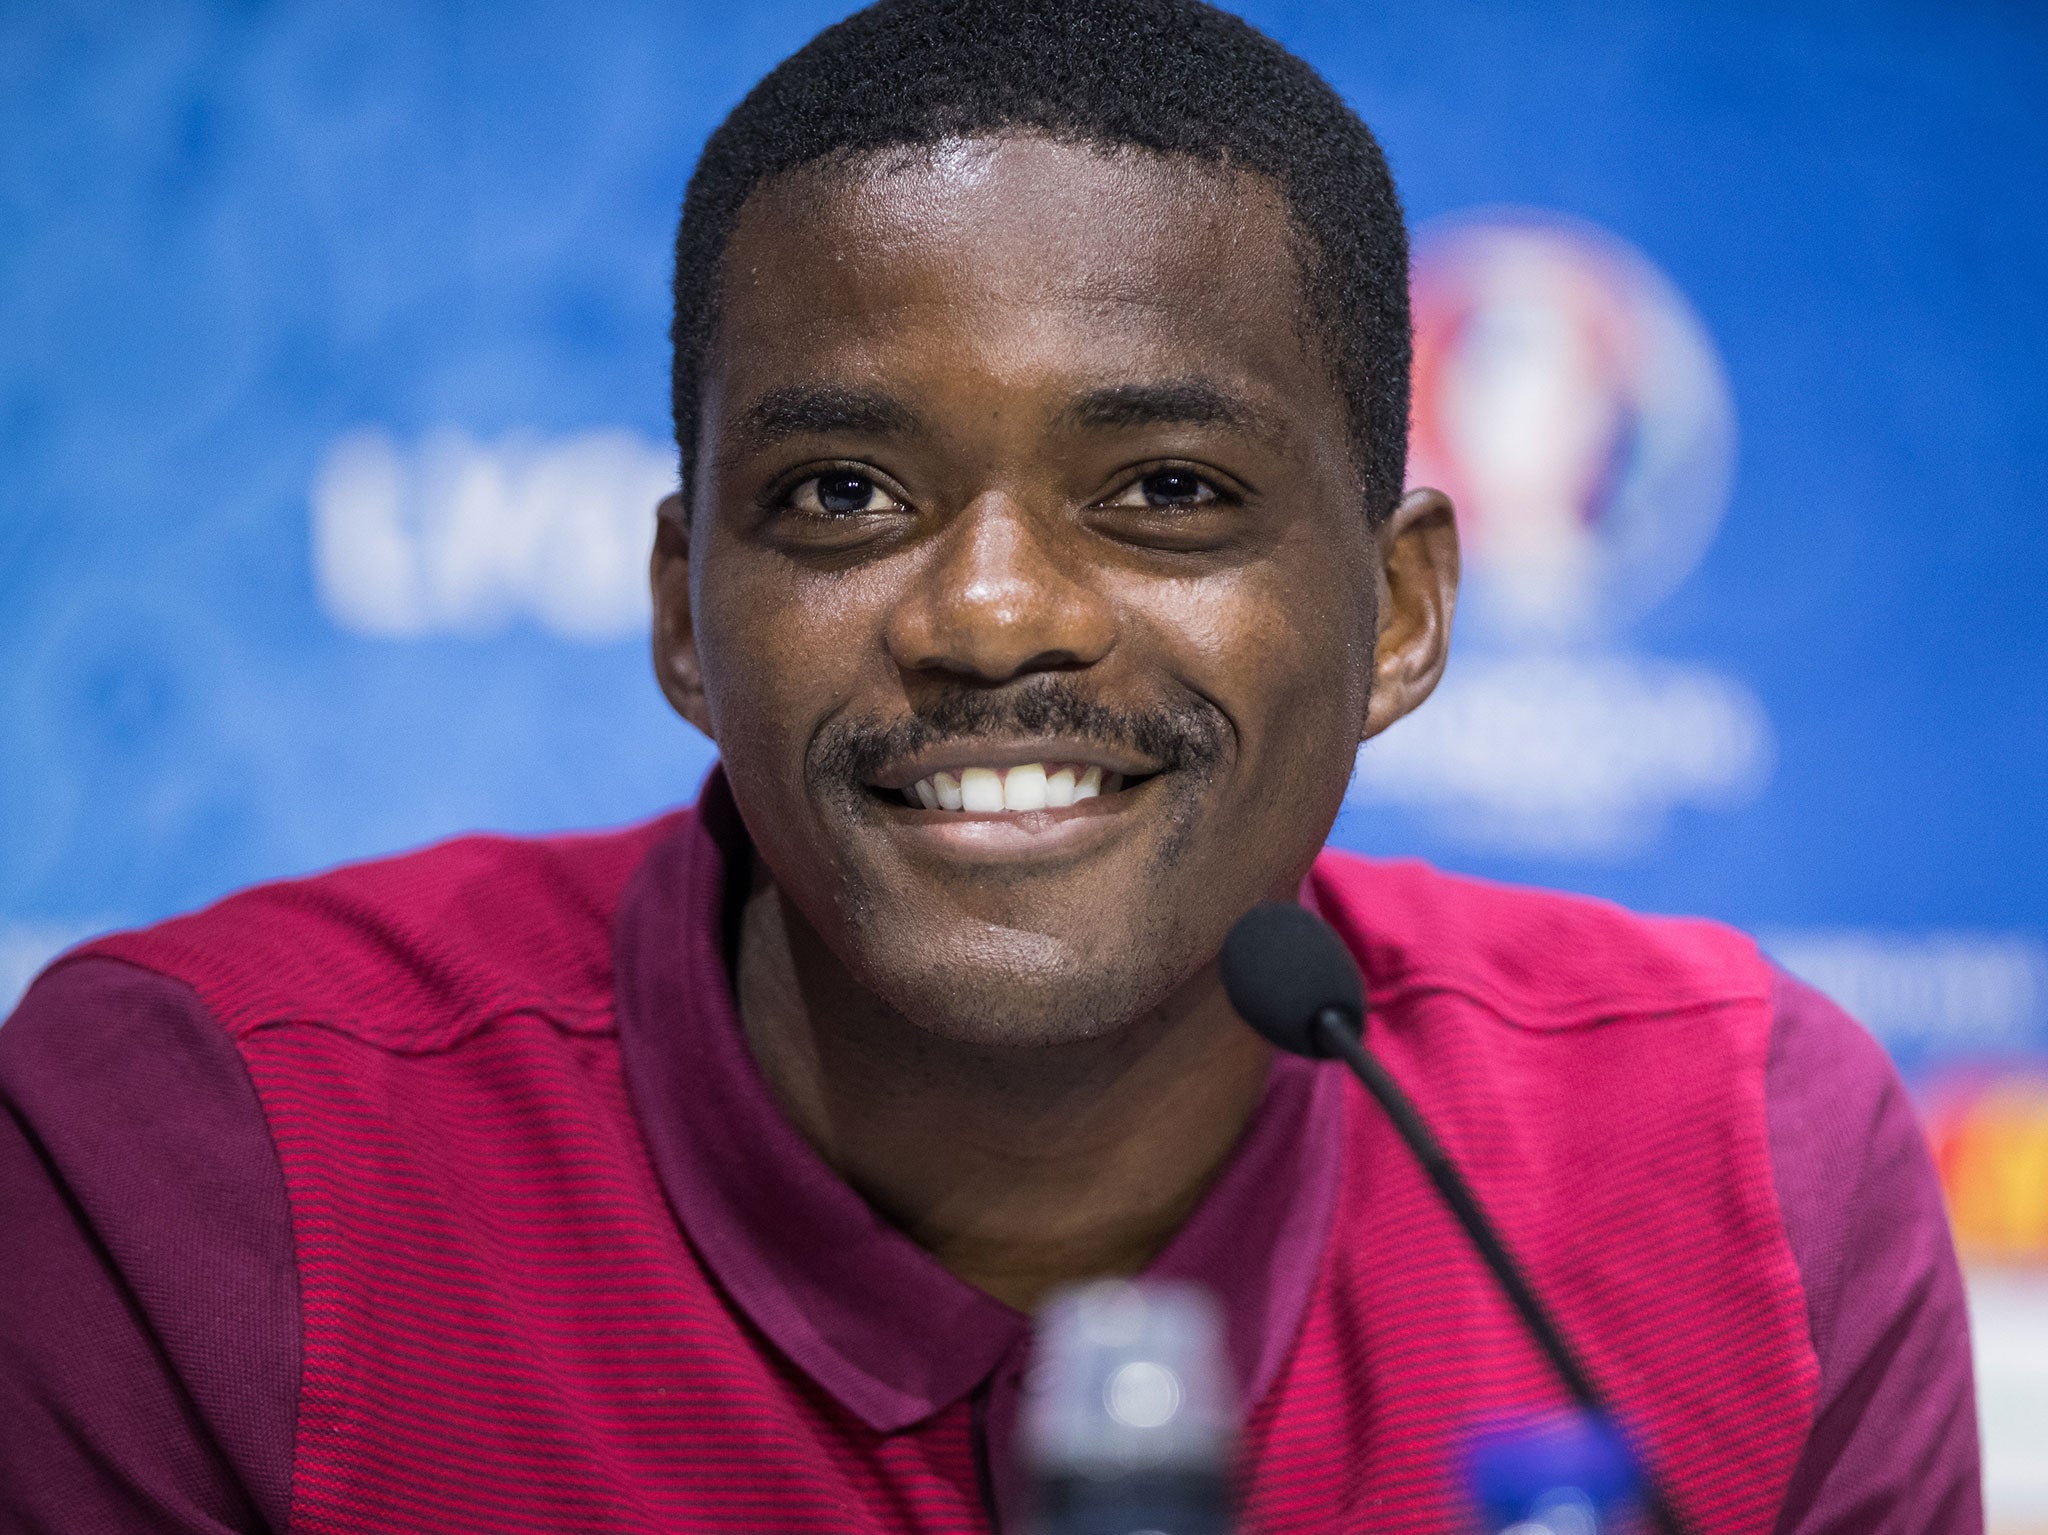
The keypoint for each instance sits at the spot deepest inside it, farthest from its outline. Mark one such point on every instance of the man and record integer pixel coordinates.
(1040, 562)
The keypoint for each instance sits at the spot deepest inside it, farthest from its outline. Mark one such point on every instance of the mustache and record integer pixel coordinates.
(1183, 736)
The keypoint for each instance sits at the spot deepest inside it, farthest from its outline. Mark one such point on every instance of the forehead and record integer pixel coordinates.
(1025, 262)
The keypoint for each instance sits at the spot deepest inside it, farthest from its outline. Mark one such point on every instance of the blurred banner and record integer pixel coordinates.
(333, 404)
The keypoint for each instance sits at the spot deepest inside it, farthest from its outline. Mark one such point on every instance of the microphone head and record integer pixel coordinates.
(1281, 967)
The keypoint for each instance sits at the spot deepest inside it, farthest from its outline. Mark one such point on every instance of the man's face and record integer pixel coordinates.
(1020, 477)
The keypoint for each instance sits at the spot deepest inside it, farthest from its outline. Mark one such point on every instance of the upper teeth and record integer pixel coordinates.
(1029, 786)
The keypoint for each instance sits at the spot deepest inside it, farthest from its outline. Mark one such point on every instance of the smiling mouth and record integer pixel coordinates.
(1026, 786)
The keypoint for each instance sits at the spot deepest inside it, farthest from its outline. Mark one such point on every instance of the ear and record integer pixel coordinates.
(675, 636)
(1418, 581)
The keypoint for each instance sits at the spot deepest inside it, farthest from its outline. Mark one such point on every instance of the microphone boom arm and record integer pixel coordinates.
(1343, 1039)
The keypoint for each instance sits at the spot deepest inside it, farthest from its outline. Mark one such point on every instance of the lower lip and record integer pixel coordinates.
(1014, 836)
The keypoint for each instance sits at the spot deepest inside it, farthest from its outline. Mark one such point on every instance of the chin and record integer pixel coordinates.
(1008, 987)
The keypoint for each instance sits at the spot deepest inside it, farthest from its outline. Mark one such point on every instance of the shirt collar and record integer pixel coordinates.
(869, 1315)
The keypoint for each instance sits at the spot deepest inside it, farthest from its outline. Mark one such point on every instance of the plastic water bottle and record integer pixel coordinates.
(1130, 1421)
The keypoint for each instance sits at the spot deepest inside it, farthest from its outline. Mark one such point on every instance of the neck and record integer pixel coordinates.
(1019, 1168)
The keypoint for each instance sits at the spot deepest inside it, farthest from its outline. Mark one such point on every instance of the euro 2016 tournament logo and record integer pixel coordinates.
(1571, 403)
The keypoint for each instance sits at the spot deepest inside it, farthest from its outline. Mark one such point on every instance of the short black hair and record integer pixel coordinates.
(1175, 77)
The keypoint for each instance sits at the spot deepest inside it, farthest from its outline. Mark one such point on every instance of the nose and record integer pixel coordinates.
(1002, 595)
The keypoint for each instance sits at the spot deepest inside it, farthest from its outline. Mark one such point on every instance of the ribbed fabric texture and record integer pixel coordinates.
(1621, 1148)
(505, 1328)
(149, 1303)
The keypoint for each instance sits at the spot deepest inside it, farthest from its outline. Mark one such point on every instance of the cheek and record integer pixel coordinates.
(778, 653)
(748, 642)
(784, 652)
(1286, 654)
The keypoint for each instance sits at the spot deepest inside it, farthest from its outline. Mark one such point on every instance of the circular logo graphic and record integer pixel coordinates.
(1572, 405)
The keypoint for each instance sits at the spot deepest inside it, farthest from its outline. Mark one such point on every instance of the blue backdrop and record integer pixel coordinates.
(301, 300)
(333, 401)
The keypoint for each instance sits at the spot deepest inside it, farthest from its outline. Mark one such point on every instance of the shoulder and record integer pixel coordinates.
(1861, 1200)
(1599, 1079)
(1538, 958)
(1895, 1425)
(1845, 1142)
(410, 949)
(1560, 1041)
(137, 1168)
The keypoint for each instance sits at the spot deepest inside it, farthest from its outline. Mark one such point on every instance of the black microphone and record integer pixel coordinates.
(1290, 977)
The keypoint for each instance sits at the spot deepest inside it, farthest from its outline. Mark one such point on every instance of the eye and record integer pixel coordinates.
(1170, 489)
(840, 493)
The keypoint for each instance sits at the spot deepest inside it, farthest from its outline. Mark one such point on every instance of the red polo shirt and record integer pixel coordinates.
(443, 1194)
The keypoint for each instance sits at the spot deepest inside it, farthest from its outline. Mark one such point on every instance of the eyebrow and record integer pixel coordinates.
(823, 410)
(1174, 402)
(820, 410)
